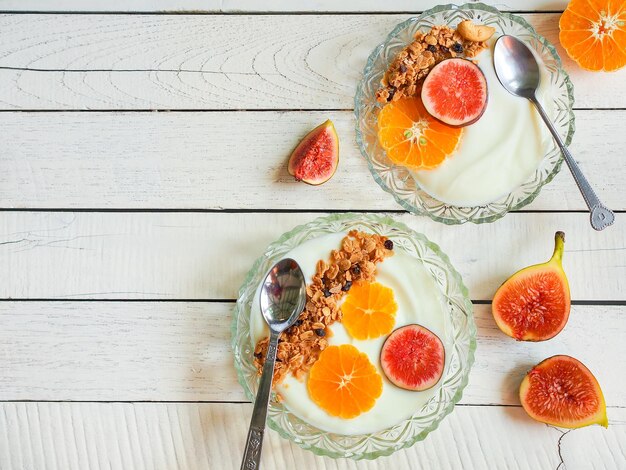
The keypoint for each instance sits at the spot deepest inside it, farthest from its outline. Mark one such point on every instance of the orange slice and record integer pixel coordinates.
(343, 382)
(593, 33)
(369, 311)
(412, 137)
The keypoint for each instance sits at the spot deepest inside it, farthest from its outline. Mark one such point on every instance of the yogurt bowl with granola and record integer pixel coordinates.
(376, 291)
(439, 131)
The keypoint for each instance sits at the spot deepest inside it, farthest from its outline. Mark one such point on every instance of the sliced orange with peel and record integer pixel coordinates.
(412, 137)
(369, 310)
(593, 33)
(344, 382)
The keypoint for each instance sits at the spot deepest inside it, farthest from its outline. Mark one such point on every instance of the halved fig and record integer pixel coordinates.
(534, 303)
(413, 358)
(316, 157)
(455, 92)
(561, 391)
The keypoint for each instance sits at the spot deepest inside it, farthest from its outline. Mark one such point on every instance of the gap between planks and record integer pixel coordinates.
(233, 402)
(251, 12)
(241, 402)
(216, 110)
(232, 301)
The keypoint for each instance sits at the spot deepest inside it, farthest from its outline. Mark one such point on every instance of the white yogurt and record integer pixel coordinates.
(419, 301)
(498, 152)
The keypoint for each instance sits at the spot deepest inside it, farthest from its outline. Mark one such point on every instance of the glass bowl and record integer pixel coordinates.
(397, 180)
(462, 340)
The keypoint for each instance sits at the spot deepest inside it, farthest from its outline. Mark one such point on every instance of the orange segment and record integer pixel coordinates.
(593, 33)
(344, 382)
(369, 311)
(412, 137)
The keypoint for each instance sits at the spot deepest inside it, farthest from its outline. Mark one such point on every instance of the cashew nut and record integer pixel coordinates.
(474, 32)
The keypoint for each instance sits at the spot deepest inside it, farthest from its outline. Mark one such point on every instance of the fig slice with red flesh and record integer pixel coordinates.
(561, 391)
(316, 157)
(455, 92)
(413, 358)
(534, 303)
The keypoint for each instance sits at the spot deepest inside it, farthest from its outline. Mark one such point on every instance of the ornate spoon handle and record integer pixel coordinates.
(254, 442)
(601, 216)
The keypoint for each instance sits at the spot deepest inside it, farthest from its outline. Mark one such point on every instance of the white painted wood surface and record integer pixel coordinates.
(61, 436)
(187, 161)
(149, 353)
(197, 6)
(213, 62)
(180, 351)
(207, 255)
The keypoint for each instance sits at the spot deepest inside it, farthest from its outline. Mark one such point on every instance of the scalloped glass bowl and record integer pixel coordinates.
(462, 338)
(397, 180)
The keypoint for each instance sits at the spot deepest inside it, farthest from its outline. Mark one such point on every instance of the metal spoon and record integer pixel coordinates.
(518, 72)
(283, 296)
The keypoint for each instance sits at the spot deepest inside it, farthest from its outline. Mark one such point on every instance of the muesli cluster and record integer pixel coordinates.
(301, 344)
(414, 62)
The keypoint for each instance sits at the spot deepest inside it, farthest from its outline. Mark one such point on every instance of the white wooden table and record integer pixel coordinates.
(126, 232)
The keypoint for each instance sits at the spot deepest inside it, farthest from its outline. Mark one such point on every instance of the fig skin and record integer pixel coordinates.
(527, 276)
(324, 127)
(525, 393)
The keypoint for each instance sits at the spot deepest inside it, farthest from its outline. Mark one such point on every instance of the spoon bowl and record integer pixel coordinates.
(518, 72)
(283, 294)
(516, 67)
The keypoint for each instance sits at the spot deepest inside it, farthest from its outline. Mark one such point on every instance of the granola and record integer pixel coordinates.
(405, 74)
(301, 344)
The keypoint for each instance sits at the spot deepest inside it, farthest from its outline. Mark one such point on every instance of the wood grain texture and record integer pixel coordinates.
(196, 6)
(207, 255)
(62, 436)
(188, 160)
(586, 448)
(180, 351)
(112, 5)
(213, 62)
(378, 6)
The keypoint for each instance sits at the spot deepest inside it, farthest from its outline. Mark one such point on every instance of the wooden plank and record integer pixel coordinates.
(145, 351)
(212, 61)
(207, 255)
(197, 6)
(180, 351)
(60, 436)
(134, 6)
(376, 6)
(169, 160)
